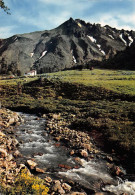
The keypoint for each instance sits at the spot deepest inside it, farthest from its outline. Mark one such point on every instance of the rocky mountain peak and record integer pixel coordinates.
(72, 43)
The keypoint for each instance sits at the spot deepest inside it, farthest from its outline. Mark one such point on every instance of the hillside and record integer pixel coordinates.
(72, 43)
(122, 60)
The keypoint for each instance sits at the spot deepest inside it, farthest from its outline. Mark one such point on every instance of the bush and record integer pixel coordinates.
(26, 183)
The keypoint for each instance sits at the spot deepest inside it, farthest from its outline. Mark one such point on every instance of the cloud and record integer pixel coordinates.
(72, 5)
(48, 14)
(119, 22)
(44, 21)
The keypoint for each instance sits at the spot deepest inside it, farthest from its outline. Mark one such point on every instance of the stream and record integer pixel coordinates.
(36, 143)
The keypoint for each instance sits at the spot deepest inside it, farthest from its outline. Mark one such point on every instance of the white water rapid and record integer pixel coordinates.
(36, 143)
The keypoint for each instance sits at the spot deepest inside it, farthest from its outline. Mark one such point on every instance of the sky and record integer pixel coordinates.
(38, 15)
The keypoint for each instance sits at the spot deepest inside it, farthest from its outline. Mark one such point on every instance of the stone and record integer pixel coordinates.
(15, 142)
(61, 166)
(96, 151)
(5, 164)
(57, 144)
(109, 158)
(56, 116)
(48, 179)
(44, 116)
(21, 166)
(84, 153)
(118, 171)
(68, 167)
(3, 153)
(2, 134)
(18, 123)
(17, 154)
(2, 170)
(57, 187)
(79, 161)
(11, 121)
(31, 164)
(72, 152)
(39, 170)
(9, 157)
(57, 138)
(87, 147)
(66, 187)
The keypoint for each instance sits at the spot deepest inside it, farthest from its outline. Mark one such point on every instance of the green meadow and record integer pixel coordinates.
(118, 81)
(100, 100)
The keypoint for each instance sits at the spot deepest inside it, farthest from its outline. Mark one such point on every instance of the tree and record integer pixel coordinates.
(4, 7)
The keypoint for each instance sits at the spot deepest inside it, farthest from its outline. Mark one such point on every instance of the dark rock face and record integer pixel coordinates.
(122, 60)
(72, 43)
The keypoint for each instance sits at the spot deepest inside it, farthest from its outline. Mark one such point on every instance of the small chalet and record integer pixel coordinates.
(31, 73)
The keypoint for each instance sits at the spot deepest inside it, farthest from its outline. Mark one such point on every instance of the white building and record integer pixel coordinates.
(31, 73)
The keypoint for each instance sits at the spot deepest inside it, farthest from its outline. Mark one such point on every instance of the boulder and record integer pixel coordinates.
(44, 116)
(48, 179)
(2, 134)
(17, 154)
(15, 142)
(72, 152)
(5, 164)
(31, 164)
(87, 147)
(9, 157)
(79, 161)
(3, 152)
(56, 116)
(84, 153)
(11, 121)
(38, 170)
(66, 187)
(57, 187)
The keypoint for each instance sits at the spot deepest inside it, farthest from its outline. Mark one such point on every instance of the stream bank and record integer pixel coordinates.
(68, 156)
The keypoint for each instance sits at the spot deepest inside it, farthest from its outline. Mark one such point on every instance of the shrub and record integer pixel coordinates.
(26, 183)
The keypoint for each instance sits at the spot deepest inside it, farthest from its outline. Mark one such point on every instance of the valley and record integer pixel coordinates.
(100, 103)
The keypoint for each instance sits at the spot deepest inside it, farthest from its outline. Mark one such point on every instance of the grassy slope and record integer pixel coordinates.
(97, 98)
(118, 81)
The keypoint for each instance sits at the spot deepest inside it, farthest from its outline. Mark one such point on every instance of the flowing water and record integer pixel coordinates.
(37, 144)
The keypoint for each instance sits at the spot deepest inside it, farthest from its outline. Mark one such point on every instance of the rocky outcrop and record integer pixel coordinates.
(73, 43)
(79, 142)
(122, 60)
(8, 147)
(8, 118)
(9, 168)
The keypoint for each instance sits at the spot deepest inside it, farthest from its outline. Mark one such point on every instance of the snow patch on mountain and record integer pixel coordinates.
(43, 54)
(31, 54)
(111, 36)
(99, 46)
(121, 37)
(74, 60)
(15, 38)
(103, 52)
(92, 39)
(131, 40)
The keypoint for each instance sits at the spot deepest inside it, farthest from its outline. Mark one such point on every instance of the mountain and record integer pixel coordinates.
(72, 43)
(122, 60)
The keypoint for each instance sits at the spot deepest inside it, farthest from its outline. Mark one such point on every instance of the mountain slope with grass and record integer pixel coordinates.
(72, 43)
